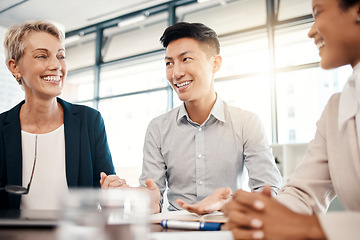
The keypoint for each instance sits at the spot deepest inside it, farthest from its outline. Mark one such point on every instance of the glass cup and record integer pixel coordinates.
(104, 214)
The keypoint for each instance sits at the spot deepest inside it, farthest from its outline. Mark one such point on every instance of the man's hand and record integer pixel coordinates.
(112, 181)
(211, 203)
(154, 194)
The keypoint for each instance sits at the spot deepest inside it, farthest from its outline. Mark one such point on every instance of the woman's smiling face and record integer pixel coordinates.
(336, 33)
(43, 66)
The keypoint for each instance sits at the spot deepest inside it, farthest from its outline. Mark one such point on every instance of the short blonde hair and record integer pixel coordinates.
(14, 38)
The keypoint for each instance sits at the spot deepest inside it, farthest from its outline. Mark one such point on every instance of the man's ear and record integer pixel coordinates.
(217, 63)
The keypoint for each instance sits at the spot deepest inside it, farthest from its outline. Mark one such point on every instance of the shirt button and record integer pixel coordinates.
(200, 129)
(201, 182)
(199, 156)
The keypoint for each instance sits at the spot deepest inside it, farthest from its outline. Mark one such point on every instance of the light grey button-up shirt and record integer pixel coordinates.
(193, 160)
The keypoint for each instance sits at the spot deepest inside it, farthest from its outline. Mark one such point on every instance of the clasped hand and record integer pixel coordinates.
(113, 181)
(260, 216)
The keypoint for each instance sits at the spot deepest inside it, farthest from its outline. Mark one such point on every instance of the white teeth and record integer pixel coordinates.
(52, 78)
(183, 84)
(320, 44)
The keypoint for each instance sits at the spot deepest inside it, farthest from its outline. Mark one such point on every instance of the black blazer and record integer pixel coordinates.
(86, 149)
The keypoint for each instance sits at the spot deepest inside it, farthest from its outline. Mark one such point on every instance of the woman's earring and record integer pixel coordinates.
(18, 79)
(358, 20)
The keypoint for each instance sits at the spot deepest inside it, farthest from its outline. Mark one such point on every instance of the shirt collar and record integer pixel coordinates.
(218, 111)
(350, 97)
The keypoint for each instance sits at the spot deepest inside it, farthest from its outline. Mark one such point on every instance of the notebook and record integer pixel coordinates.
(29, 218)
(184, 215)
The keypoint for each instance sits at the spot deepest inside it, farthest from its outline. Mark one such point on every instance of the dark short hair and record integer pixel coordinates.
(346, 4)
(197, 31)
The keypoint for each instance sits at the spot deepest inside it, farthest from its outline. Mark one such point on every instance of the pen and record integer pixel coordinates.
(203, 226)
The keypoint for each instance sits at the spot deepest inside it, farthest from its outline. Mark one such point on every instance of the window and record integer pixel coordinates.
(132, 92)
(126, 120)
(244, 54)
(293, 8)
(292, 135)
(291, 112)
(251, 94)
(311, 89)
(82, 53)
(79, 86)
(10, 91)
(133, 76)
(294, 47)
(230, 17)
(136, 39)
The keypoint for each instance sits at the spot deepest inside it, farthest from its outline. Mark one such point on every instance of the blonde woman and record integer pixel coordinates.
(47, 145)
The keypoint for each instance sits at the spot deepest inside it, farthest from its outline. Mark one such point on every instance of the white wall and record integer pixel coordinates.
(10, 91)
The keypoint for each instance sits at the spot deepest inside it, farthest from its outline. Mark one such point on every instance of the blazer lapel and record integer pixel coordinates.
(72, 143)
(353, 144)
(13, 149)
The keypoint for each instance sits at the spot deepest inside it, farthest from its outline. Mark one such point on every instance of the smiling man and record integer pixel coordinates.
(199, 150)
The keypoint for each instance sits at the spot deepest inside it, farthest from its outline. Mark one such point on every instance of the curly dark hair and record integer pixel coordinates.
(346, 4)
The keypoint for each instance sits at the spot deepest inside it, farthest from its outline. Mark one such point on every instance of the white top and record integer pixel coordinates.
(49, 180)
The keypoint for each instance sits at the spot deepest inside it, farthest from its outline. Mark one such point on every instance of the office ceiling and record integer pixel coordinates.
(71, 14)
